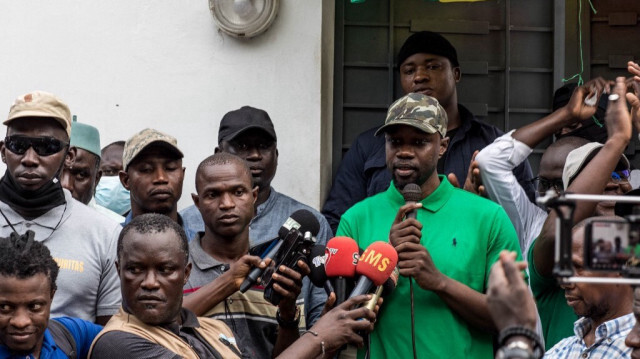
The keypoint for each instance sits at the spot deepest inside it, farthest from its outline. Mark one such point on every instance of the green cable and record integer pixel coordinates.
(579, 74)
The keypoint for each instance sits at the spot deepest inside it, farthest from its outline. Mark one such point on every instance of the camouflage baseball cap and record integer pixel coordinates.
(40, 104)
(417, 110)
(141, 140)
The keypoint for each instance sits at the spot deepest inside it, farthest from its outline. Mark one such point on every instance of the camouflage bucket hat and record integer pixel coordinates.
(419, 111)
(141, 140)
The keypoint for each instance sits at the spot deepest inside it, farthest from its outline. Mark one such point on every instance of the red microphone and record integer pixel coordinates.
(374, 266)
(341, 258)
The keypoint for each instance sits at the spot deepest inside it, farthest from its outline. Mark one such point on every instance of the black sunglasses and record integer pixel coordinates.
(44, 146)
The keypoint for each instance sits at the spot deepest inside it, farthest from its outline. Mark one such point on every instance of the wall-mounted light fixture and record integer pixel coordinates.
(244, 18)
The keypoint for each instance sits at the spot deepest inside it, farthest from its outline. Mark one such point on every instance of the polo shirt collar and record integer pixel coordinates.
(613, 327)
(50, 220)
(189, 320)
(48, 344)
(199, 257)
(436, 200)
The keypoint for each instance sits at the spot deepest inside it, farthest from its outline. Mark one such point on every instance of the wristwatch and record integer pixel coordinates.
(293, 323)
(517, 349)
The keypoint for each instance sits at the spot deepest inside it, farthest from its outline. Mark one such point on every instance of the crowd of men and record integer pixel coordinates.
(97, 260)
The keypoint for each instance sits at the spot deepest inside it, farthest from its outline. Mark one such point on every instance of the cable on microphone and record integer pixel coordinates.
(412, 193)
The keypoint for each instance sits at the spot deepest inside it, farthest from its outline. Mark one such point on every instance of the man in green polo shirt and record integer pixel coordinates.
(448, 250)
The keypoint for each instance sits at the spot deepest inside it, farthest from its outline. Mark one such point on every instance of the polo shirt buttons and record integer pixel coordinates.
(28, 224)
(230, 300)
(585, 355)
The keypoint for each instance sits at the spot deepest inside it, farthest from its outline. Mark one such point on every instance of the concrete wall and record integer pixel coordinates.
(125, 65)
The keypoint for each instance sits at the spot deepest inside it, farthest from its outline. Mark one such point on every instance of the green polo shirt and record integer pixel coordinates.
(556, 316)
(464, 234)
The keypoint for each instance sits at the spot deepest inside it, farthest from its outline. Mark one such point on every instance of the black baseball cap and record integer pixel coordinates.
(245, 118)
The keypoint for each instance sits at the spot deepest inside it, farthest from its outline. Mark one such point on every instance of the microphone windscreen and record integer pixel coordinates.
(412, 193)
(304, 220)
(318, 276)
(377, 262)
(342, 257)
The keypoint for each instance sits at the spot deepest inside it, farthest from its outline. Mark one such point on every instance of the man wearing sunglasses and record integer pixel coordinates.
(82, 242)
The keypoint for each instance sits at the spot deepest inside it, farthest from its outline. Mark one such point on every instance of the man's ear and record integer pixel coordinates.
(2, 152)
(444, 144)
(196, 200)
(187, 273)
(457, 74)
(254, 192)
(70, 158)
(124, 179)
(98, 177)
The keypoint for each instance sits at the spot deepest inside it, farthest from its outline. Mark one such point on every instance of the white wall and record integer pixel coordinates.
(124, 65)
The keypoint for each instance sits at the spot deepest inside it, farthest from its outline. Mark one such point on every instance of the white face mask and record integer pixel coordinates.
(111, 194)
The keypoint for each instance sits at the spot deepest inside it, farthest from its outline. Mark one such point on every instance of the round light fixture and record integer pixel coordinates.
(244, 18)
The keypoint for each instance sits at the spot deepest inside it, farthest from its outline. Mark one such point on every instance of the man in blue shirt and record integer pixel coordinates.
(27, 285)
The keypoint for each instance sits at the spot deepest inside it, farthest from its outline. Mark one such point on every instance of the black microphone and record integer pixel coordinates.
(412, 193)
(318, 275)
(300, 221)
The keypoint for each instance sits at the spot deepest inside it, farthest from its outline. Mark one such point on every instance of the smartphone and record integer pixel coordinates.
(607, 246)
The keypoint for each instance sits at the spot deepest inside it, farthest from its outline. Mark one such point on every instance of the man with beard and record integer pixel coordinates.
(463, 236)
(427, 64)
(605, 312)
(31, 198)
(153, 174)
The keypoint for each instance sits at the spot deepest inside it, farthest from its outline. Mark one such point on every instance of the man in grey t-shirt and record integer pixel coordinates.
(82, 241)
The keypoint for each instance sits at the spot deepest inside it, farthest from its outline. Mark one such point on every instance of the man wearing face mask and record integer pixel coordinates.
(83, 243)
(110, 192)
(81, 177)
